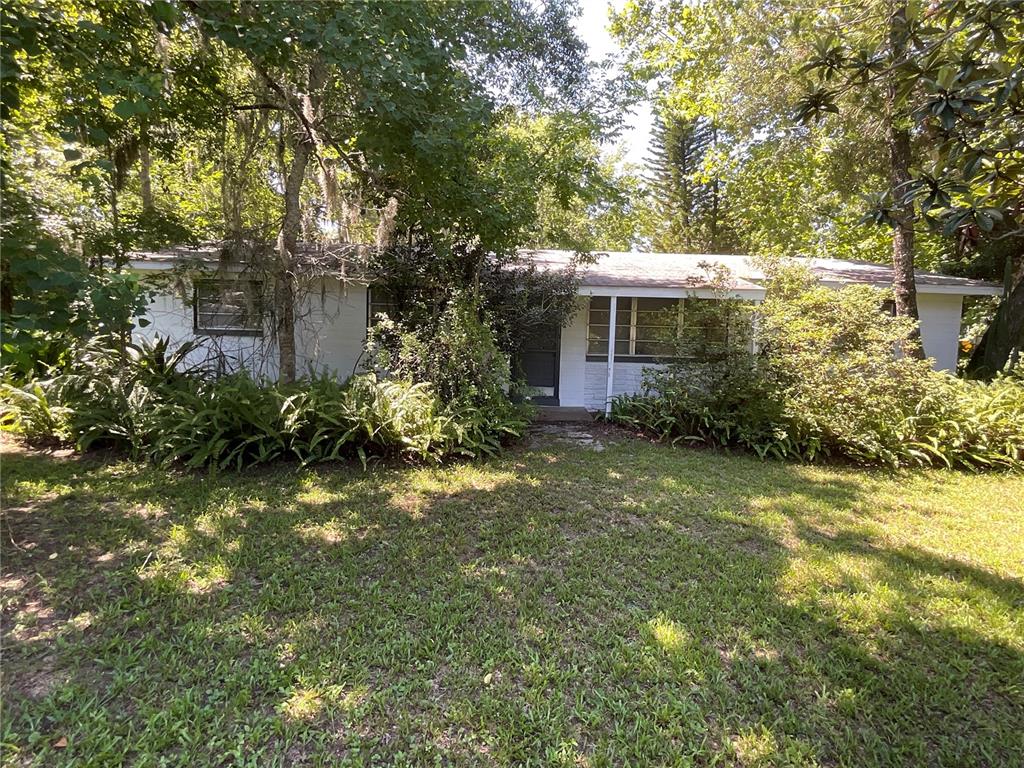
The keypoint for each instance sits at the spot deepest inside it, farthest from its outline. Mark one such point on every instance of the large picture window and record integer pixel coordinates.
(652, 329)
(228, 307)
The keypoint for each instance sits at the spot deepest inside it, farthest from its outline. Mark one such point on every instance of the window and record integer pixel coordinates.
(649, 329)
(644, 327)
(228, 307)
(380, 302)
(654, 327)
(709, 328)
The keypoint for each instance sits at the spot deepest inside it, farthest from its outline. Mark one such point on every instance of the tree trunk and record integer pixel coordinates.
(6, 290)
(904, 285)
(714, 195)
(287, 250)
(1004, 338)
(145, 166)
(898, 141)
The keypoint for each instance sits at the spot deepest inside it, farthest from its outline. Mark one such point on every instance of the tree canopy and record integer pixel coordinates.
(850, 125)
(140, 125)
(463, 131)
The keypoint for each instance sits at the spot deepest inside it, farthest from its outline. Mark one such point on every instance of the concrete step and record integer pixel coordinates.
(559, 413)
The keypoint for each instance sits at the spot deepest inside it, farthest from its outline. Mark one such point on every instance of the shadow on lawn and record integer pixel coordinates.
(638, 605)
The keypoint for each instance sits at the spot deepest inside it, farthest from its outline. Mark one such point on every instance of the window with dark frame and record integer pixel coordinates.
(228, 307)
(645, 328)
(380, 302)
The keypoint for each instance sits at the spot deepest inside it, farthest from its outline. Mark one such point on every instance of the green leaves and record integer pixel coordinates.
(828, 59)
(828, 384)
(151, 403)
(127, 108)
(957, 79)
(816, 105)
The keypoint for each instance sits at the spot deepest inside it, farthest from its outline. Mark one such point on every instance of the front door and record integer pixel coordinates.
(538, 364)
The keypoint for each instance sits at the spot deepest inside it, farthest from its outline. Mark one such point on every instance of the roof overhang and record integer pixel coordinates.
(610, 274)
(746, 291)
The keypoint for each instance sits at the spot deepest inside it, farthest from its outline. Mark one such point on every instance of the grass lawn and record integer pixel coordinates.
(556, 606)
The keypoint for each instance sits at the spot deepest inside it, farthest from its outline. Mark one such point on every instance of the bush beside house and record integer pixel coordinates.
(825, 382)
(418, 400)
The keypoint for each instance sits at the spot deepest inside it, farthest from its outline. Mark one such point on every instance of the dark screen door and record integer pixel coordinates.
(538, 363)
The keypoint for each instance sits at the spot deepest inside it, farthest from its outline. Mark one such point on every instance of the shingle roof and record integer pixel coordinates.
(694, 270)
(634, 269)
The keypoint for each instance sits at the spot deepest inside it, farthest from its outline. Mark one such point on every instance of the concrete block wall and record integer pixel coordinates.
(628, 380)
(330, 330)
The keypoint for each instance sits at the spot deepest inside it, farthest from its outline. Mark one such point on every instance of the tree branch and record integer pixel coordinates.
(311, 132)
(244, 107)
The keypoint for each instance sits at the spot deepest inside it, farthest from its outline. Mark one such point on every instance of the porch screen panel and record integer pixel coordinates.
(597, 325)
(657, 327)
(645, 328)
(624, 327)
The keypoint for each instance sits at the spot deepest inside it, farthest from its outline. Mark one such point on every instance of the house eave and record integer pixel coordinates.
(749, 292)
(973, 288)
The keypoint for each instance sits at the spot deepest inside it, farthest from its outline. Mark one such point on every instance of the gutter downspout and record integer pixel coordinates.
(612, 318)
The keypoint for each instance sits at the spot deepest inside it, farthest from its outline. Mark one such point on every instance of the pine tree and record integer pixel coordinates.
(688, 206)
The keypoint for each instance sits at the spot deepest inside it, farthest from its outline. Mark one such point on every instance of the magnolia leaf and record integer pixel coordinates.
(124, 108)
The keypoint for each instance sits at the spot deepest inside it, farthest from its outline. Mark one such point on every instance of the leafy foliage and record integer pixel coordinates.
(814, 101)
(955, 71)
(151, 403)
(825, 382)
(454, 351)
(55, 302)
(449, 127)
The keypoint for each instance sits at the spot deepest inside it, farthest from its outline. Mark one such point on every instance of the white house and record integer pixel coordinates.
(571, 366)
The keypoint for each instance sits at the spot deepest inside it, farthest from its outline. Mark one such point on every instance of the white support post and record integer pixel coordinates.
(754, 345)
(612, 309)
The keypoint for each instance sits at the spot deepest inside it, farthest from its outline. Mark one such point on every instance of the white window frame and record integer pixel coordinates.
(632, 335)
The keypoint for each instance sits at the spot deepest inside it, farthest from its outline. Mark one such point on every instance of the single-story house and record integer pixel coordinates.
(572, 366)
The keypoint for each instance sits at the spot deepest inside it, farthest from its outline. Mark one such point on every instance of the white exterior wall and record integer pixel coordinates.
(330, 328)
(585, 384)
(940, 327)
(627, 380)
(171, 318)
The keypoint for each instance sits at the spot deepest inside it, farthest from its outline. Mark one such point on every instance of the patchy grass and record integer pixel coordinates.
(556, 606)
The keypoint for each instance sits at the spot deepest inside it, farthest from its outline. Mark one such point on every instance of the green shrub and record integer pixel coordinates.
(29, 410)
(58, 303)
(826, 381)
(969, 423)
(455, 352)
(143, 400)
